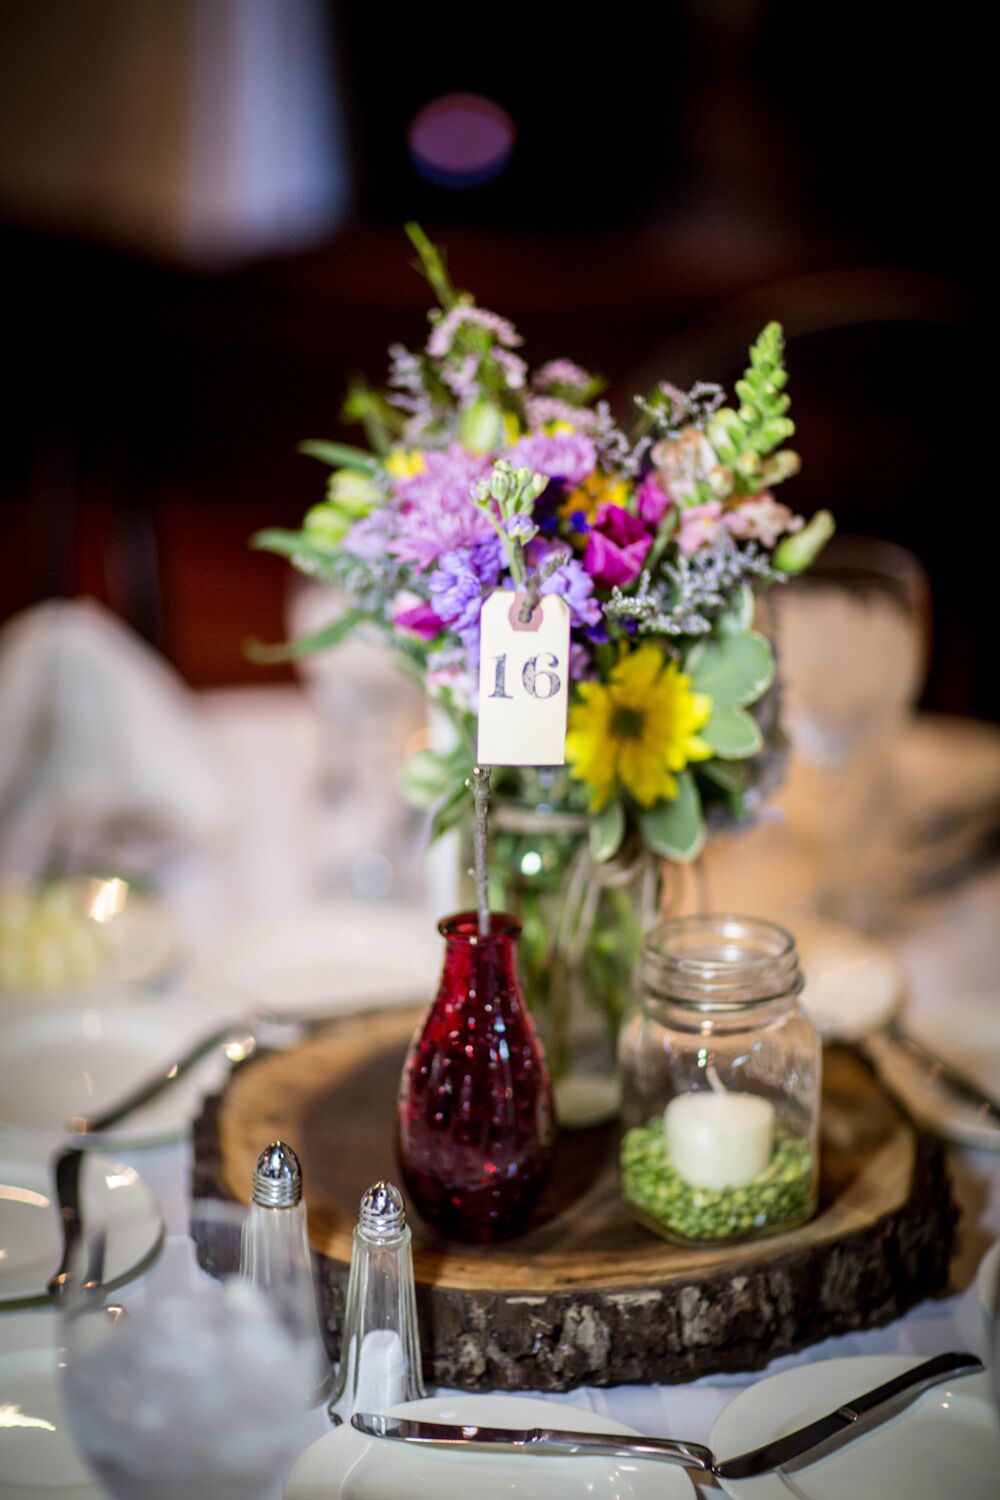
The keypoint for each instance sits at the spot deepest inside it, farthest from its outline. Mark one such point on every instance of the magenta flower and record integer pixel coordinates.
(420, 620)
(700, 526)
(653, 501)
(616, 547)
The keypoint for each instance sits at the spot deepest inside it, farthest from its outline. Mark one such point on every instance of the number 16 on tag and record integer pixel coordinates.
(523, 681)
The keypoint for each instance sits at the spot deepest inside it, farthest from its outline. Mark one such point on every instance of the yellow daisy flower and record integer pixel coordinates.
(638, 729)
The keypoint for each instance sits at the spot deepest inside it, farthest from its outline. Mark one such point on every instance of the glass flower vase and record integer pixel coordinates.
(475, 1116)
(583, 924)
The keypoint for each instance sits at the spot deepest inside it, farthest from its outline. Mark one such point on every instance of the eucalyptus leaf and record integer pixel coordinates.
(319, 640)
(732, 777)
(738, 618)
(607, 829)
(339, 455)
(734, 671)
(733, 733)
(676, 829)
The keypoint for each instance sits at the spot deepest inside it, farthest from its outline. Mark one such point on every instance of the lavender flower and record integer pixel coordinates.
(461, 581)
(541, 410)
(570, 579)
(446, 329)
(569, 456)
(560, 372)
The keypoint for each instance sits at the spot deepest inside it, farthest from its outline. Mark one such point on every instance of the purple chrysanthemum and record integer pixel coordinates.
(432, 513)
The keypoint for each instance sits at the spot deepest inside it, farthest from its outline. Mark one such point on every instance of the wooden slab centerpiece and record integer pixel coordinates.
(587, 1296)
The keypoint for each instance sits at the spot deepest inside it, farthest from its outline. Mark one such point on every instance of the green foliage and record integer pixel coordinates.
(607, 829)
(735, 671)
(318, 640)
(742, 438)
(433, 265)
(339, 455)
(733, 733)
(794, 553)
(676, 829)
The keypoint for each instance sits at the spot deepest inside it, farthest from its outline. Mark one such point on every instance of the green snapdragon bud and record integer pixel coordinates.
(480, 427)
(794, 553)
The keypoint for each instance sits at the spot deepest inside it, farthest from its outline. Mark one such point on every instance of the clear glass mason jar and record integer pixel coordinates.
(721, 1080)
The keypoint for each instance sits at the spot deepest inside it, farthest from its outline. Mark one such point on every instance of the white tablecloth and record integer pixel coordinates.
(279, 857)
(273, 742)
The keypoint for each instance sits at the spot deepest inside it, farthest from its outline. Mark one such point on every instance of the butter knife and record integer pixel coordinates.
(551, 1441)
(850, 1415)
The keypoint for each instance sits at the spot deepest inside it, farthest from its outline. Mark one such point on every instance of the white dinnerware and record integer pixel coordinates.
(964, 1030)
(946, 1442)
(111, 1195)
(339, 957)
(346, 1465)
(59, 1063)
(38, 1457)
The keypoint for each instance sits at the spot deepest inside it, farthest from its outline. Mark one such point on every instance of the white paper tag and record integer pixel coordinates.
(523, 681)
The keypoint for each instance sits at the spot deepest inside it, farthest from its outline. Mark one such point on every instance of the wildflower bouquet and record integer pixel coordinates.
(482, 474)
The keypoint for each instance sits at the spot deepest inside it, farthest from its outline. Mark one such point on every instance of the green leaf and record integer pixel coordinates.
(676, 829)
(733, 671)
(429, 776)
(339, 455)
(733, 733)
(607, 829)
(318, 640)
(292, 544)
(733, 780)
(794, 553)
(739, 616)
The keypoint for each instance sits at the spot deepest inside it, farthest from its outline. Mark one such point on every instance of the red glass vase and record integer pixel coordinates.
(475, 1122)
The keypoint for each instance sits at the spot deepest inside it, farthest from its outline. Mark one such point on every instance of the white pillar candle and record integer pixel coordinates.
(719, 1139)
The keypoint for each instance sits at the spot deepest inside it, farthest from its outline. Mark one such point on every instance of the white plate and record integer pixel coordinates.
(341, 957)
(945, 1443)
(854, 983)
(58, 1063)
(30, 1234)
(344, 1465)
(137, 936)
(988, 1283)
(38, 1453)
(965, 1031)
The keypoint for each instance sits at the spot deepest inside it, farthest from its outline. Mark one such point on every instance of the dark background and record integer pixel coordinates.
(679, 175)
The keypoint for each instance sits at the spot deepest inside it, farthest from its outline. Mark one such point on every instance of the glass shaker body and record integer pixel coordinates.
(721, 1079)
(380, 1362)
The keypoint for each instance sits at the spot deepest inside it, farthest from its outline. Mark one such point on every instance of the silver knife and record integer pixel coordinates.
(940, 1069)
(538, 1440)
(850, 1415)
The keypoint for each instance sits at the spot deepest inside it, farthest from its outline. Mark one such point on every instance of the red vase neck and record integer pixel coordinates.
(478, 968)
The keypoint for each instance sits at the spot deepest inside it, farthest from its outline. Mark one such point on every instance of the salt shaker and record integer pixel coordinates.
(275, 1255)
(380, 1340)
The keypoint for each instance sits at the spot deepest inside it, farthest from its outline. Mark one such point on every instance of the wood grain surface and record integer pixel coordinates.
(587, 1295)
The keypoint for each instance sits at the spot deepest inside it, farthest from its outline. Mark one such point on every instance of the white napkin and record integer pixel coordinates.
(98, 732)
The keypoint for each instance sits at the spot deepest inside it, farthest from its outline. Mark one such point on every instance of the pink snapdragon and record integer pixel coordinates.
(763, 519)
(700, 525)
